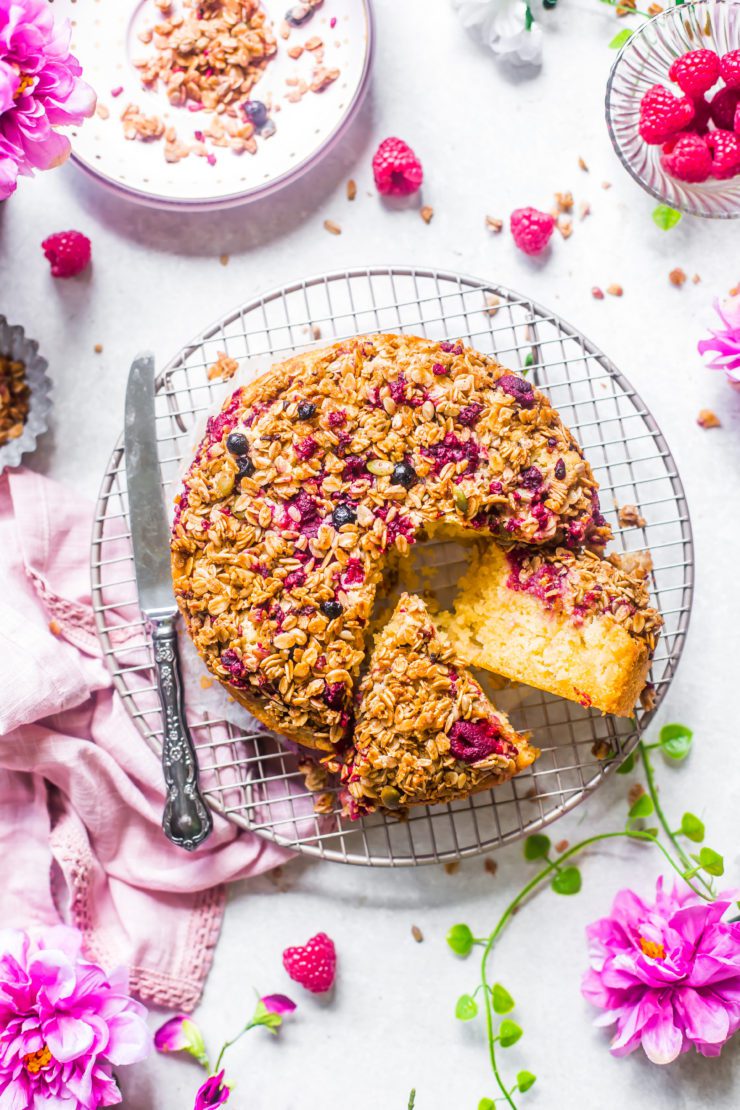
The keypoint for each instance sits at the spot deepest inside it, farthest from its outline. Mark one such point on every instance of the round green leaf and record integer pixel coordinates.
(460, 940)
(486, 1104)
(567, 881)
(537, 846)
(711, 861)
(525, 1080)
(509, 1033)
(692, 827)
(466, 1008)
(502, 1000)
(643, 807)
(620, 39)
(675, 741)
(628, 766)
(665, 217)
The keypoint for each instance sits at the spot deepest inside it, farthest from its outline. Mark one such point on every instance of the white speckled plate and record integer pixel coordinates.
(105, 39)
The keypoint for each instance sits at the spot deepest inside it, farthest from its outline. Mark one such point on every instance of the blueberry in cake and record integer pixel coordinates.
(425, 732)
(312, 476)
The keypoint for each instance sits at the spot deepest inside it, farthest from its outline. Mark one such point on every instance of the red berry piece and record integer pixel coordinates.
(724, 105)
(313, 964)
(69, 253)
(396, 169)
(687, 158)
(729, 69)
(725, 148)
(702, 116)
(531, 229)
(662, 114)
(696, 71)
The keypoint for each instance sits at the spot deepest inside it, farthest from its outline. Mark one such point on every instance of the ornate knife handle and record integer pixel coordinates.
(186, 820)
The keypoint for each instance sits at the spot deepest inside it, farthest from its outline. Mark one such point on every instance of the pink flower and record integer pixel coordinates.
(278, 1004)
(726, 341)
(40, 88)
(64, 1023)
(212, 1093)
(667, 974)
(181, 1034)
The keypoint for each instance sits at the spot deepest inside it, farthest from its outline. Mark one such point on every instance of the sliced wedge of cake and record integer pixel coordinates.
(572, 623)
(425, 732)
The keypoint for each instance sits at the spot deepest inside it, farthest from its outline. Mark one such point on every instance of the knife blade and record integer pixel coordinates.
(186, 820)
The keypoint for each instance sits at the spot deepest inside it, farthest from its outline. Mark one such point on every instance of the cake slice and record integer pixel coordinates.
(572, 623)
(425, 732)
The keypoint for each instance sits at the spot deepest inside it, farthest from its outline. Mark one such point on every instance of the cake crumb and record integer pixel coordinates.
(631, 517)
(677, 277)
(351, 189)
(635, 793)
(562, 846)
(564, 201)
(98, 348)
(223, 259)
(417, 934)
(223, 368)
(426, 213)
(492, 303)
(332, 228)
(490, 866)
(101, 111)
(615, 290)
(582, 165)
(205, 682)
(655, 9)
(494, 224)
(315, 331)
(601, 750)
(696, 279)
(453, 867)
(55, 628)
(708, 419)
(584, 209)
(606, 184)
(323, 803)
(295, 51)
(648, 697)
(565, 227)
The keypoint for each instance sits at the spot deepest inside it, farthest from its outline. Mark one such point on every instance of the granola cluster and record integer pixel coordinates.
(425, 731)
(313, 475)
(15, 398)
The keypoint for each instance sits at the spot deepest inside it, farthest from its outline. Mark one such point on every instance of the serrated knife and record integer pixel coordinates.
(186, 820)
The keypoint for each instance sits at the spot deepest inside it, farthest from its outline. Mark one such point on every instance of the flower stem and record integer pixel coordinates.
(228, 1044)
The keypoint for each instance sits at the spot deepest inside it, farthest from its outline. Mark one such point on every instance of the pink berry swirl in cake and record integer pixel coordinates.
(314, 473)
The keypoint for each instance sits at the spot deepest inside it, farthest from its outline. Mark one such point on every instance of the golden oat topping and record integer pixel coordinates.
(15, 397)
(309, 477)
(425, 731)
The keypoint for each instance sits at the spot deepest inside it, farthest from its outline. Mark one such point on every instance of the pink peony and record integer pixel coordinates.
(726, 341)
(213, 1093)
(64, 1023)
(667, 974)
(40, 88)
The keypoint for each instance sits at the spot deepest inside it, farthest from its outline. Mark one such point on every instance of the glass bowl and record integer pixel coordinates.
(643, 61)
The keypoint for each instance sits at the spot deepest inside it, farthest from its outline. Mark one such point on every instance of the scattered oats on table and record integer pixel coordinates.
(606, 184)
(677, 277)
(101, 111)
(631, 517)
(494, 224)
(351, 189)
(582, 165)
(565, 227)
(417, 934)
(223, 368)
(15, 398)
(564, 202)
(490, 865)
(223, 259)
(584, 209)
(696, 279)
(98, 348)
(708, 419)
(614, 290)
(332, 227)
(453, 867)
(426, 213)
(562, 846)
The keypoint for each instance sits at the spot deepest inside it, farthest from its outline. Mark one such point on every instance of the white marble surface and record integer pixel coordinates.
(489, 142)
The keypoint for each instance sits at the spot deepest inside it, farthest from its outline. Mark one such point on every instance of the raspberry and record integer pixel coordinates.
(396, 169)
(531, 229)
(687, 157)
(724, 105)
(702, 116)
(662, 114)
(313, 964)
(729, 69)
(725, 148)
(68, 252)
(696, 71)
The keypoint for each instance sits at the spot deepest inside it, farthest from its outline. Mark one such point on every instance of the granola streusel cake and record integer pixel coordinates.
(313, 473)
(425, 732)
(573, 623)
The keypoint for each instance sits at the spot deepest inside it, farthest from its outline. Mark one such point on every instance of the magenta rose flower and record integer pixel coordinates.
(64, 1023)
(40, 89)
(725, 341)
(213, 1093)
(667, 974)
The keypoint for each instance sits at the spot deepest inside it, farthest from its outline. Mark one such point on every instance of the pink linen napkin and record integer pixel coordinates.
(81, 794)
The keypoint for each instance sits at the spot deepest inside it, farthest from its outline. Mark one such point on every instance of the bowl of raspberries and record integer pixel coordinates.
(673, 107)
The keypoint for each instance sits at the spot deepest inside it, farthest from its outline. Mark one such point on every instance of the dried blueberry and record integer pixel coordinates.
(404, 475)
(244, 467)
(298, 14)
(256, 113)
(560, 470)
(343, 514)
(306, 410)
(332, 609)
(237, 443)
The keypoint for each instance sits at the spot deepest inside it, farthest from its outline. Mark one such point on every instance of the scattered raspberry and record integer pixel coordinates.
(687, 158)
(729, 69)
(696, 71)
(396, 169)
(68, 251)
(725, 148)
(662, 114)
(724, 105)
(531, 229)
(313, 964)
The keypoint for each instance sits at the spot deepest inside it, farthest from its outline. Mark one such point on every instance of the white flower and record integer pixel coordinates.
(502, 25)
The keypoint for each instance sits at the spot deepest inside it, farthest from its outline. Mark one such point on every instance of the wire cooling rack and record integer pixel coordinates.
(250, 776)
